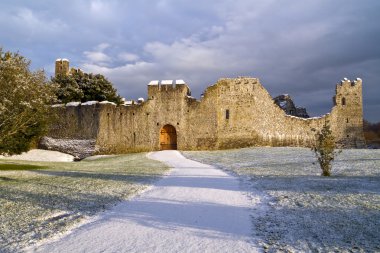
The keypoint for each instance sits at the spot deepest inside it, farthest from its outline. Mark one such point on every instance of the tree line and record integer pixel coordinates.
(26, 97)
(372, 133)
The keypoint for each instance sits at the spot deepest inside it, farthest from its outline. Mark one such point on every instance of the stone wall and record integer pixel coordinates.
(347, 114)
(232, 113)
(256, 120)
(76, 121)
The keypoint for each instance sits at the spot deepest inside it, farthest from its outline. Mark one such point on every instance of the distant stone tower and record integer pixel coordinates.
(62, 67)
(349, 107)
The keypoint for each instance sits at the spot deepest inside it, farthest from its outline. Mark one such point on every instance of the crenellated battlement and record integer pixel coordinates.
(348, 90)
(157, 88)
(346, 85)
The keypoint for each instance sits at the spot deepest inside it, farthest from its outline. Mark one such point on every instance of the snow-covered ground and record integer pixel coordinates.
(41, 155)
(302, 211)
(196, 208)
(288, 206)
(51, 197)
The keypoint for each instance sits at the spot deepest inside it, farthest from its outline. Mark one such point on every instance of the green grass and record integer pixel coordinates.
(40, 199)
(15, 166)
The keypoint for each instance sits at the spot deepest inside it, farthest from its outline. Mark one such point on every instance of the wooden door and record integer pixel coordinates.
(168, 138)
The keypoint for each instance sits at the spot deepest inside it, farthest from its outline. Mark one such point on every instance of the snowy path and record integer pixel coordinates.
(196, 208)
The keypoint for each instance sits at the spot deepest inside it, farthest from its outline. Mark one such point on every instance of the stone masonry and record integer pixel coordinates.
(233, 113)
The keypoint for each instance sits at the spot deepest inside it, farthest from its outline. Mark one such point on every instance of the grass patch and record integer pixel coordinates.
(12, 166)
(40, 199)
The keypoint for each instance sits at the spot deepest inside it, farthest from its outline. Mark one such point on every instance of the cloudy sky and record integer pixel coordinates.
(299, 47)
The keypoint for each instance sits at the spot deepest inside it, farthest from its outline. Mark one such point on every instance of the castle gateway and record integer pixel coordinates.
(233, 113)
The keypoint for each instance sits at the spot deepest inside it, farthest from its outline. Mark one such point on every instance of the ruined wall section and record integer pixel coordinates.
(205, 120)
(254, 119)
(236, 109)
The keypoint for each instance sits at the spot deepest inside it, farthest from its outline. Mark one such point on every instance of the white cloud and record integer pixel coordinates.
(34, 25)
(27, 16)
(97, 57)
(140, 74)
(196, 59)
(99, 7)
(102, 46)
(128, 57)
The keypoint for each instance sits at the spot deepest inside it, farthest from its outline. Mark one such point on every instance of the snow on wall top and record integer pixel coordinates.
(107, 102)
(73, 104)
(307, 119)
(85, 103)
(154, 82)
(90, 103)
(346, 80)
(167, 82)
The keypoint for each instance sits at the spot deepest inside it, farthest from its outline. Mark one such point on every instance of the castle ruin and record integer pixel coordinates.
(233, 113)
(286, 103)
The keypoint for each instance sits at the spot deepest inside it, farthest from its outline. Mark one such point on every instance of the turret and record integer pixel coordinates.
(349, 118)
(62, 67)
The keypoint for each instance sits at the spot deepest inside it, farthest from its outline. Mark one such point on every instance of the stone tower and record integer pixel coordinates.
(62, 67)
(349, 107)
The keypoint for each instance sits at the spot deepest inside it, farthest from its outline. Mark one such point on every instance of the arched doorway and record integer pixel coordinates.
(168, 138)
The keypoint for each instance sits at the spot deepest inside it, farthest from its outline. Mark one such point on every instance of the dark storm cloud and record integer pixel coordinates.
(298, 47)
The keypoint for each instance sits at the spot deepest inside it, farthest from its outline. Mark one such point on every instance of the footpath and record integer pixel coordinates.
(196, 208)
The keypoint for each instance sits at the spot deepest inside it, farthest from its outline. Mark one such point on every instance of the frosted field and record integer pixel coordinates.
(194, 208)
(301, 210)
(50, 197)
